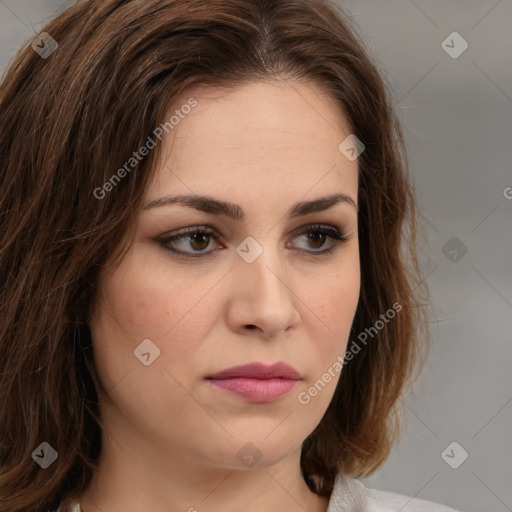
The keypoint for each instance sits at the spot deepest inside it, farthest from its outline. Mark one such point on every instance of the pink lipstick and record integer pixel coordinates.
(257, 382)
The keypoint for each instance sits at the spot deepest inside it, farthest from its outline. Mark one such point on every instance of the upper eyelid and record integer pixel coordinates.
(207, 229)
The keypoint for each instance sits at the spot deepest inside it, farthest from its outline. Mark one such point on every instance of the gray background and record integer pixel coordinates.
(457, 117)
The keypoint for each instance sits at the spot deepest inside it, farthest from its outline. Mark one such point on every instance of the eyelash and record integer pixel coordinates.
(332, 232)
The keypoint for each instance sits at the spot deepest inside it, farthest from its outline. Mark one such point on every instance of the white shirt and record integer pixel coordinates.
(351, 495)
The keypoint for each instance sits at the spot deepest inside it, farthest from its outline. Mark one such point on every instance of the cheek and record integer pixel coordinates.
(334, 306)
(142, 299)
(340, 302)
(137, 304)
(335, 301)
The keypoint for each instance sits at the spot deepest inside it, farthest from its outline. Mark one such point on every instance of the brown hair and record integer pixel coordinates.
(69, 121)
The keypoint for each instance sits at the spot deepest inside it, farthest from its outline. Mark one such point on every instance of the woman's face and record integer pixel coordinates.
(259, 287)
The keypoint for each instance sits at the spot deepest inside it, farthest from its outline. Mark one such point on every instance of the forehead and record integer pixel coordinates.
(261, 135)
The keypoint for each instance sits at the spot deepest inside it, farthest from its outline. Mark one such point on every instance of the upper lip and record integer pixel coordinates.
(259, 371)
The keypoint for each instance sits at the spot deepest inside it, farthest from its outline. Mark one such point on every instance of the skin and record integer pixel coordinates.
(171, 440)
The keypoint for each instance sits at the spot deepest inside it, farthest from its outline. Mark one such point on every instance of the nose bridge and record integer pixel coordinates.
(264, 282)
(263, 267)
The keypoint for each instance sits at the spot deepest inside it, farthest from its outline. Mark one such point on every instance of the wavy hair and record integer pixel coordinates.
(70, 120)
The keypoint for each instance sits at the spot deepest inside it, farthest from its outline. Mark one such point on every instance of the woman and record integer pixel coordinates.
(210, 292)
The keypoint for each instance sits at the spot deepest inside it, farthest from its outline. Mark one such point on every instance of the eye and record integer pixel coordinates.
(198, 239)
(318, 234)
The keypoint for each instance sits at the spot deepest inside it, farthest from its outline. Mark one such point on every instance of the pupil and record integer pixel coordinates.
(318, 238)
(197, 237)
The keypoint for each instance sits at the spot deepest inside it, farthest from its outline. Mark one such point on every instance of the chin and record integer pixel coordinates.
(253, 453)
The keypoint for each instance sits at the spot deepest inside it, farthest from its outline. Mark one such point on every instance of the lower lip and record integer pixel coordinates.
(255, 390)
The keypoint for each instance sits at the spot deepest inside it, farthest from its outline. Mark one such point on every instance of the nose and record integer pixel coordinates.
(262, 297)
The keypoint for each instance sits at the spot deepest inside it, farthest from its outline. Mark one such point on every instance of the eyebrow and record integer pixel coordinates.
(234, 211)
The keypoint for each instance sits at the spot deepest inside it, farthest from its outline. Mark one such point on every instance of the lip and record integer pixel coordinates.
(257, 382)
(259, 371)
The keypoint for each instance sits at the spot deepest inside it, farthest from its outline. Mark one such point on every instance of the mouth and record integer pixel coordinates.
(257, 382)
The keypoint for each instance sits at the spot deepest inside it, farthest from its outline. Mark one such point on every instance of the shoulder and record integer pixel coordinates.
(389, 501)
(351, 495)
